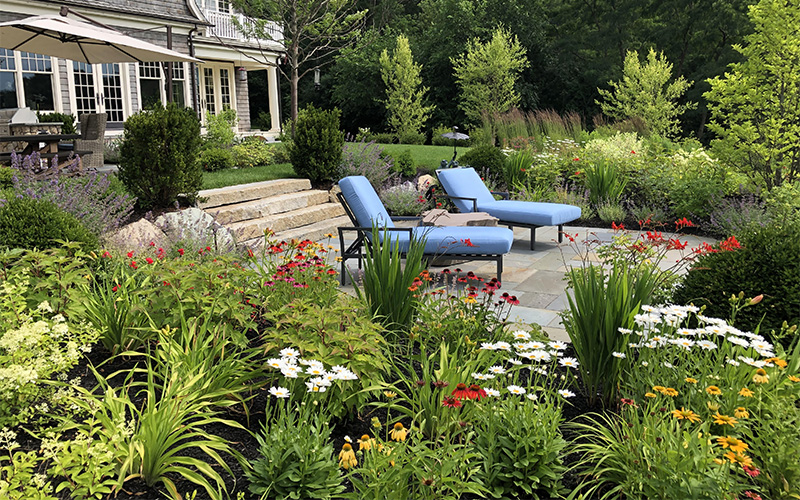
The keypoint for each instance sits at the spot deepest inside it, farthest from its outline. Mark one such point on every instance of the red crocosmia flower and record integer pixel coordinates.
(467, 242)
(451, 402)
(250, 252)
(730, 244)
(180, 251)
(576, 159)
(149, 260)
(152, 243)
(106, 254)
(476, 392)
(633, 152)
(208, 249)
(133, 264)
(166, 283)
(615, 227)
(675, 244)
(130, 254)
(115, 288)
(681, 223)
(438, 204)
(461, 392)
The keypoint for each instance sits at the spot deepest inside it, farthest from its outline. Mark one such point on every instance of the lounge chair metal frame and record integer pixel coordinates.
(355, 250)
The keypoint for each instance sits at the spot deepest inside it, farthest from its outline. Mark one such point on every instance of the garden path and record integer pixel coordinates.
(537, 277)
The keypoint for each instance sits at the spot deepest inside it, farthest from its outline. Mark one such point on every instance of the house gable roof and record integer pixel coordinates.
(169, 10)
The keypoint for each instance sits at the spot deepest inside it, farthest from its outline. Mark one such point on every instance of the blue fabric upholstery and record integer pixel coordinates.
(472, 240)
(364, 202)
(465, 182)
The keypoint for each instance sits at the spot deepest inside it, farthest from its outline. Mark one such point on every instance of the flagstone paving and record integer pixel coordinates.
(536, 277)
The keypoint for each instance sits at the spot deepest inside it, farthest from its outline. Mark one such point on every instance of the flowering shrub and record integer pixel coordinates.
(367, 159)
(404, 199)
(43, 346)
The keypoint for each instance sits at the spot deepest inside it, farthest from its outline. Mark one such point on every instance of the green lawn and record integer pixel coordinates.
(234, 176)
(426, 156)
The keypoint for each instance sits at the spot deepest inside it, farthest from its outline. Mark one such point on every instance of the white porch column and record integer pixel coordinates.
(274, 99)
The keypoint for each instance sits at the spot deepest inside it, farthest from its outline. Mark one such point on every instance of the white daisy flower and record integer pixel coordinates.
(290, 353)
(279, 392)
(686, 332)
(497, 370)
(487, 346)
(481, 376)
(633, 345)
(503, 345)
(321, 381)
(667, 365)
(568, 362)
(492, 392)
(620, 355)
(345, 375)
(338, 368)
(515, 361)
(645, 363)
(537, 345)
(523, 346)
(515, 389)
(532, 396)
(276, 363)
(540, 356)
(564, 393)
(557, 344)
(732, 362)
(761, 345)
(738, 341)
(625, 331)
(312, 387)
(348, 439)
(526, 355)
(540, 371)
(290, 371)
(707, 344)
(715, 330)
(521, 335)
(316, 370)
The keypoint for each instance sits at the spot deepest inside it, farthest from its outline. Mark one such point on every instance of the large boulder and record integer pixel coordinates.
(197, 226)
(135, 236)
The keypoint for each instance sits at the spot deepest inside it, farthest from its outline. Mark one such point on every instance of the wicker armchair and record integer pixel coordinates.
(93, 130)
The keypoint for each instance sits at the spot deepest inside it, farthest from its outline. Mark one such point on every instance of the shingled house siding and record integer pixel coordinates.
(242, 103)
(63, 80)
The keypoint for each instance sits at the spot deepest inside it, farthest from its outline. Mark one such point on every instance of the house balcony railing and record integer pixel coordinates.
(226, 27)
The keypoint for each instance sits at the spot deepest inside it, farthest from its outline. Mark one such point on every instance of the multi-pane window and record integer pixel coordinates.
(178, 83)
(208, 75)
(33, 74)
(224, 6)
(150, 83)
(112, 92)
(83, 81)
(225, 88)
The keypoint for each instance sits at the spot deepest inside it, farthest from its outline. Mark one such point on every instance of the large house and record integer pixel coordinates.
(205, 29)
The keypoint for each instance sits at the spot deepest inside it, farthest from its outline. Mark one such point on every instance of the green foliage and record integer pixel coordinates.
(605, 183)
(67, 119)
(158, 155)
(220, 131)
(33, 353)
(387, 282)
(487, 74)
(609, 211)
(416, 138)
(755, 107)
(6, 177)
(385, 138)
(438, 140)
(296, 458)
(253, 151)
(602, 302)
(112, 308)
(404, 163)
(520, 445)
(32, 223)
(339, 334)
(18, 477)
(645, 92)
(213, 159)
(485, 159)
(404, 94)
(316, 148)
(717, 276)
(650, 455)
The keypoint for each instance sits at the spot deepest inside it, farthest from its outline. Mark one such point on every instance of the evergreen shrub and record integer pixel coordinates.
(159, 155)
(486, 158)
(31, 223)
(214, 159)
(316, 148)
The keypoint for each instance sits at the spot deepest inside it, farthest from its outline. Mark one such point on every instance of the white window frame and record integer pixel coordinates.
(218, 104)
(55, 84)
(163, 82)
(97, 76)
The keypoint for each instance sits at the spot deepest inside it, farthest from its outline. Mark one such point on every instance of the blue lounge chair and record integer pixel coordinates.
(365, 209)
(468, 192)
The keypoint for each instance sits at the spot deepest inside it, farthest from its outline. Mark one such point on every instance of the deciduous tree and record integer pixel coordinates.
(405, 95)
(645, 92)
(756, 105)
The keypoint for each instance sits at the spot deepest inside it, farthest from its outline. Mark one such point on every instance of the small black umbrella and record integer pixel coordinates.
(456, 136)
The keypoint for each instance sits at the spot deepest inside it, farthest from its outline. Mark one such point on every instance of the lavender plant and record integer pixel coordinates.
(365, 158)
(404, 199)
(736, 216)
(88, 197)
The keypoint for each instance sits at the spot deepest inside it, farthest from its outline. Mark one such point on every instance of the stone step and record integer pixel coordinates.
(313, 232)
(256, 209)
(247, 192)
(254, 228)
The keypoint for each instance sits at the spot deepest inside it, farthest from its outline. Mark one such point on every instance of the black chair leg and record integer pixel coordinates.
(533, 237)
(560, 233)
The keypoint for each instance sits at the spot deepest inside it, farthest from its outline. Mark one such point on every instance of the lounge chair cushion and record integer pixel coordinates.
(531, 212)
(469, 240)
(364, 202)
(465, 182)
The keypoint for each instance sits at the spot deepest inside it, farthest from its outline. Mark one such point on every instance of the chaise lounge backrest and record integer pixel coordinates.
(465, 182)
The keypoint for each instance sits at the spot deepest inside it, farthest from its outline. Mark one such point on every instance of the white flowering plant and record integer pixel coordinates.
(43, 346)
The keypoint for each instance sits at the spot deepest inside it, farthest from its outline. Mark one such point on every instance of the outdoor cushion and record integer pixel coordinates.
(364, 202)
(531, 212)
(465, 183)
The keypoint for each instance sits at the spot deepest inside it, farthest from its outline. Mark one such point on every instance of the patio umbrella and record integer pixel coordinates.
(456, 136)
(80, 41)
